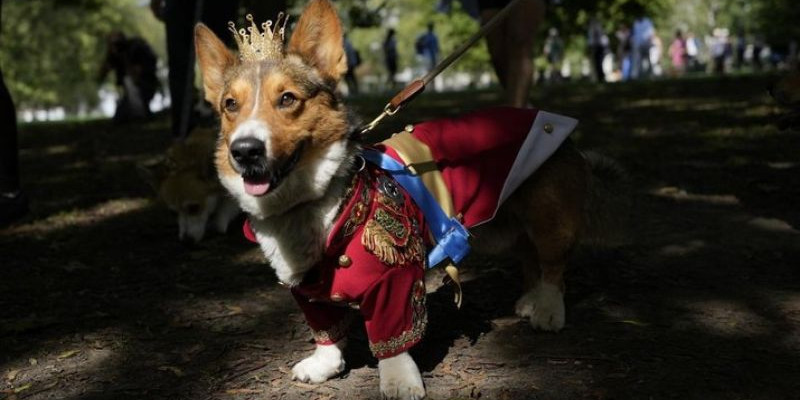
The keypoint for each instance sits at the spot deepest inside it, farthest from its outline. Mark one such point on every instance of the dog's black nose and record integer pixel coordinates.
(248, 151)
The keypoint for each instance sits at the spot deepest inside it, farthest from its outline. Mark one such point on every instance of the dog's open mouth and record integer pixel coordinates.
(260, 180)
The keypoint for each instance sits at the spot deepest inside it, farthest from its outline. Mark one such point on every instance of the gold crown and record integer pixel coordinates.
(257, 45)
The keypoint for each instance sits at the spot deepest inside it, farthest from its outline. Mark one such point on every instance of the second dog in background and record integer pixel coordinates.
(185, 180)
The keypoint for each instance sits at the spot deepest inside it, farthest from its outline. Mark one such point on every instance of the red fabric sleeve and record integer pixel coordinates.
(394, 311)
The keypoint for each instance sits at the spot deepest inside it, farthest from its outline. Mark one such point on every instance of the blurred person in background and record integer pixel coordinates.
(623, 36)
(677, 54)
(427, 48)
(134, 64)
(353, 61)
(180, 16)
(597, 42)
(390, 56)
(554, 52)
(641, 41)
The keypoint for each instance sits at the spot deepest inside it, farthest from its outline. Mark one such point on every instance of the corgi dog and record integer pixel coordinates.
(341, 233)
(185, 180)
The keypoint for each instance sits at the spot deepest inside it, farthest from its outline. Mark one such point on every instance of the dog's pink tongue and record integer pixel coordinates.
(256, 188)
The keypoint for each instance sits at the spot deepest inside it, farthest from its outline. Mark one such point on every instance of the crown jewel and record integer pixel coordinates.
(260, 45)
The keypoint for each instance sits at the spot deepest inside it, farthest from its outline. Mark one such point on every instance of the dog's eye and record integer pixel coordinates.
(287, 99)
(230, 104)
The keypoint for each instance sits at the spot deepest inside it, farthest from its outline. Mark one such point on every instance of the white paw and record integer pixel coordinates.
(400, 378)
(326, 362)
(543, 306)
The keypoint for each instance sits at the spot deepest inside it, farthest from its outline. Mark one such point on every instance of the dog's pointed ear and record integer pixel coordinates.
(214, 59)
(153, 172)
(317, 38)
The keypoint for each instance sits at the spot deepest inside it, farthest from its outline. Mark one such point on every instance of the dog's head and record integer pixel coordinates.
(786, 92)
(283, 126)
(184, 180)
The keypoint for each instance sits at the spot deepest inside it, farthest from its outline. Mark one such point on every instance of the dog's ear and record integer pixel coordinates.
(214, 59)
(153, 172)
(317, 38)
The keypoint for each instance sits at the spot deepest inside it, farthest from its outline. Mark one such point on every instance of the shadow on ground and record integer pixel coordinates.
(100, 301)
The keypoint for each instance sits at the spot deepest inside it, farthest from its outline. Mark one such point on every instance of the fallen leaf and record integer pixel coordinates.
(22, 388)
(634, 322)
(243, 391)
(11, 375)
(67, 354)
(234, 310)
(175, 370)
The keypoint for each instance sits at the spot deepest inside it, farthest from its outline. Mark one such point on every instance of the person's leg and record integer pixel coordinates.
(13, 204)
(636, 62)
(511, 48)
(599, 54)
(179, 17)
(524, 24)
(494, 42)
(9, 154)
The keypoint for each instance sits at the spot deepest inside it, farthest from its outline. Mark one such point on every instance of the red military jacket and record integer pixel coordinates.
(375, 255)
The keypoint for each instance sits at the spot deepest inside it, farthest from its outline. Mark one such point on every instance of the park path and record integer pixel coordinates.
(99, 301)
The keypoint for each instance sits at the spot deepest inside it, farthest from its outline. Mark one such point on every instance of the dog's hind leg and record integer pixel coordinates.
(543, 300)
(551, 206)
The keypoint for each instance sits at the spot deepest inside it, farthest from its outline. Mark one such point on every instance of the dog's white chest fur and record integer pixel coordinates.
(294, 242)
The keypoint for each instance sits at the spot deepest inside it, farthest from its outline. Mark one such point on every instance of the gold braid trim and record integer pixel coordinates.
(418, 325)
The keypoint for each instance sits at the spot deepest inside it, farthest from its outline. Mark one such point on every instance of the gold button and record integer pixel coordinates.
(409, 128)
(337, 297)
(345, 261)
(548, 127)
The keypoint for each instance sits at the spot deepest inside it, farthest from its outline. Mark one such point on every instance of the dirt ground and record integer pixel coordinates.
(98, 300)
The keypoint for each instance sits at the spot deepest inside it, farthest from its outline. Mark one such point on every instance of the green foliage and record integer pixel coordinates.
(410, 18)
(51, 50)
(572, 17)
(778, 20)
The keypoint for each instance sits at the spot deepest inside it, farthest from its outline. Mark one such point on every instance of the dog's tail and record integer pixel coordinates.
(607, 211)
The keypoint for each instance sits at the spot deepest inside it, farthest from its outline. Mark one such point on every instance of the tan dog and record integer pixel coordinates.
(285, 154)
(185, 181)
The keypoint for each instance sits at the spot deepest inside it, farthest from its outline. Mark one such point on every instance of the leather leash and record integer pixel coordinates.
(415, 88)
(418, 86)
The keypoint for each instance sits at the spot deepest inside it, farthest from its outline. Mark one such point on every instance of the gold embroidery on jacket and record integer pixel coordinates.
(358, 214)
(413, 335)
(390, 234)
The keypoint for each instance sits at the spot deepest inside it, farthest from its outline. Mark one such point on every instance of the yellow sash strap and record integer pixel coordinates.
(419, 160)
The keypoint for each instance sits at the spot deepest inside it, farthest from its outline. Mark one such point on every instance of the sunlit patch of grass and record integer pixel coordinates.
(81, 217)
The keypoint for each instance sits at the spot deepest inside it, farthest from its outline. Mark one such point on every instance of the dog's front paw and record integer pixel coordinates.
(543, 306)
(326, 362)
(400, 378)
